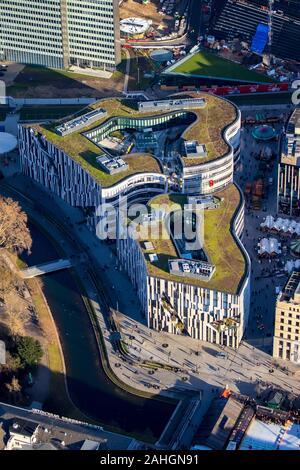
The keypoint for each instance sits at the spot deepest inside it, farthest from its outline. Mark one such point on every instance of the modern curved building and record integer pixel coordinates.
(184, 147)
(205, 149)
(203, 293)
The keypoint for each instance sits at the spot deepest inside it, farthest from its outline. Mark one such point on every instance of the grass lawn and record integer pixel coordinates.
(36, 113)
(261, 99)
(36, 75)
(41, 82)
(33, 77)
(205, 64)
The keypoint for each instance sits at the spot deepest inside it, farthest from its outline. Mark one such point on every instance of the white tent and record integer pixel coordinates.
(289, 266)
(297, 229)
(268, 223)
(269, 247)
(283, 226)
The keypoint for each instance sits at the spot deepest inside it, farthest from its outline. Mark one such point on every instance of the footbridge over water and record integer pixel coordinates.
(45, 268)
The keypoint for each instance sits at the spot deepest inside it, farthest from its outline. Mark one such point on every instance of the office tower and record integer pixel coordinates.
(59, 33)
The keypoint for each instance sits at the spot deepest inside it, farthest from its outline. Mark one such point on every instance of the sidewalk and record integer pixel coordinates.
(121, 293)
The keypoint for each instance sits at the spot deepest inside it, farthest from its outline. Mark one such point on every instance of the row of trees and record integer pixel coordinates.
(14, 306)
(24, 352)
(14, 231)
(14, 236)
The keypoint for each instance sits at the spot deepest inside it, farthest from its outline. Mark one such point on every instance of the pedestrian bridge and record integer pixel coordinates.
(45, 268)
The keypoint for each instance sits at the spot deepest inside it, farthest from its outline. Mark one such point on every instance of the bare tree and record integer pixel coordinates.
(7, 279)
(14, 385)
(14, 232)
(17, 315)
(14, 388)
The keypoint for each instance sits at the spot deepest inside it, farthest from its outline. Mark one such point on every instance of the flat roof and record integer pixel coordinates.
(270, 436)
(212, 120)
(8, 142)
(208, 129)
(291, 288)
(218, 422)
(72, 434)
(23, 427)
(220, 245)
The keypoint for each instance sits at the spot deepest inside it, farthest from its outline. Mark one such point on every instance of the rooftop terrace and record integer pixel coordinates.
(208, 128)
(220, 245)
(291, 290)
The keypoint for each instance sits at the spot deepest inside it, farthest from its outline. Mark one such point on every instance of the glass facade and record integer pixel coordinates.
(156, 123)
(57, 33)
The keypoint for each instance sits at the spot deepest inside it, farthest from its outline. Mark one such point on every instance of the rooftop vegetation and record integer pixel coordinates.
(208, 129)
(219, 243)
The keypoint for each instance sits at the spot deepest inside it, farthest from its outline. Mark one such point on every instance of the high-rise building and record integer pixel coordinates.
(286, 341)
(59, 33)
(289, 168)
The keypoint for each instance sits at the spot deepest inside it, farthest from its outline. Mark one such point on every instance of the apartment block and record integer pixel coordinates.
(286, 339)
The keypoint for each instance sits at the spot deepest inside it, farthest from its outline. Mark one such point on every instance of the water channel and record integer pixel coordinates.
(90, 389)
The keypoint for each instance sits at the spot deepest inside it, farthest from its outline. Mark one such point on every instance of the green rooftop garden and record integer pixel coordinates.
(208, 129)
(219, 243)
(210, 65)
(212, 120)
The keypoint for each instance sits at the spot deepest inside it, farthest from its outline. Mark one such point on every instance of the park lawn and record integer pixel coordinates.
(37, 113)
(36, 75)
(206, 64)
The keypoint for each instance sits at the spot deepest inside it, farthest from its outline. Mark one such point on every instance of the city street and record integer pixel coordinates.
(264, 280)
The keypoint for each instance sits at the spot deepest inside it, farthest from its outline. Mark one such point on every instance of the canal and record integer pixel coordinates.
(90, 389)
